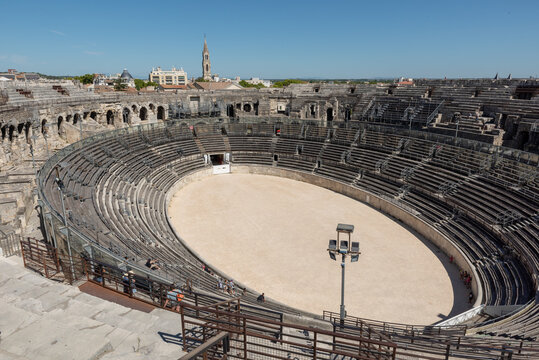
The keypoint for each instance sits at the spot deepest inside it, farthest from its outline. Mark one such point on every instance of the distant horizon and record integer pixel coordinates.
(303, 39)
(500, 77)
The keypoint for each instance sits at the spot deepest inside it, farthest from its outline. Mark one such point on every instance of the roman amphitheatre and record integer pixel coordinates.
(438, 177)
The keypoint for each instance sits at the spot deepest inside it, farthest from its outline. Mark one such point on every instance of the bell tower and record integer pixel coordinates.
(206, 64)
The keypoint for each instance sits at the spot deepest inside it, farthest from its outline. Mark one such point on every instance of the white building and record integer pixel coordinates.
(255, 81)
(168, 77)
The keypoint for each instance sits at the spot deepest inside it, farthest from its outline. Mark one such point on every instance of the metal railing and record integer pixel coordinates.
(254, 337)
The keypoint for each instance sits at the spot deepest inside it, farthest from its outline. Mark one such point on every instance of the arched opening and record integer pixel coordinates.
(85, 115)
(93, 115)
(59, 123)
(11, 132)
(347, 114)
(44, 126)
(27, 131)
(68, 118)
(125, 115)
(20, 127)
(230, 110)
(329, 113)
(247, 107)
(160, 113)
(76, 118)
(110, 117)
(4, 131)
(207, 67)
(134, 108)
(143, 114)
(522, 138)
(152, 107)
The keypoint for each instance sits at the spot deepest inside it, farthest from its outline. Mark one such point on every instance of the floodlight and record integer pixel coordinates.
(354, 258)
(345, 228)
(332, 245)
(344, 246)
(332, 255)
(355, 247)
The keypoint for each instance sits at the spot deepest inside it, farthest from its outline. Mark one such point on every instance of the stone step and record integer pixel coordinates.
(41, 318)
(49, 338)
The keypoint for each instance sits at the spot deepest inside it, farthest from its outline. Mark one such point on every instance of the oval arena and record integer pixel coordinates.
(155, 186)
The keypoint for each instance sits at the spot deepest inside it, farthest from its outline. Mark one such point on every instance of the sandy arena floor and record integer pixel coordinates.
(271, 234)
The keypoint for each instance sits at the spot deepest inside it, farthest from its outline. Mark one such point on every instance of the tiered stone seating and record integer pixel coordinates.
(211, 138)
(118, 186)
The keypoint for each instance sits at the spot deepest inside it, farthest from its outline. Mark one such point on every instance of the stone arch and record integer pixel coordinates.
(247, 107)
(3, 130)
(126, 115)
(27, 127)
(134, 108)
(68, 118)
(143, 114)
(59, 123)
(160, 113)
(76, 118)
(151, 106)
(44, 126)
(110, 117)
(11, 132)
(93, 115)
(20, 128)
(329, 113)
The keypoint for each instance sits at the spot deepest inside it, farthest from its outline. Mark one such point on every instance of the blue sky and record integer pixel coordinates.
(274, 39)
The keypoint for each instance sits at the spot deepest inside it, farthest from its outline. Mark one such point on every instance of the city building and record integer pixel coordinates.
(127, 79)
(171, 88)
(206, 64)
(256, 80)
(168, 77)
(210, 85)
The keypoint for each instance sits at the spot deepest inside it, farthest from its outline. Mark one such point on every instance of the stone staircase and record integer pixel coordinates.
(44, 319)
(16, 196)
(200, 146)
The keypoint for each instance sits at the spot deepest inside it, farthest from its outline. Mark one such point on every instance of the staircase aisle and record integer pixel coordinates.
(45, 319)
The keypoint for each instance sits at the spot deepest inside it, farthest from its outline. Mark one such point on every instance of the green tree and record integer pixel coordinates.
(85, 79)
(245, 84)
(139, 84)
(284, 83)
(201, 79)
(119, 85)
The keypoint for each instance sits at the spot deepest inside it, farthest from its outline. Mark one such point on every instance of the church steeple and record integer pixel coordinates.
(206, 64)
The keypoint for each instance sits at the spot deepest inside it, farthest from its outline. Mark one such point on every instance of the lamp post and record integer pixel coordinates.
(344, 248)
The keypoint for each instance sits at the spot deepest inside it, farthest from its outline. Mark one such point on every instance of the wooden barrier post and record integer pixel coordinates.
(245, 338)
(43, 261)
(183, 328)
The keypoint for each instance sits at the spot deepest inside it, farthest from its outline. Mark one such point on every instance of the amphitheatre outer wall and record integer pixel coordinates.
(396, 213)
